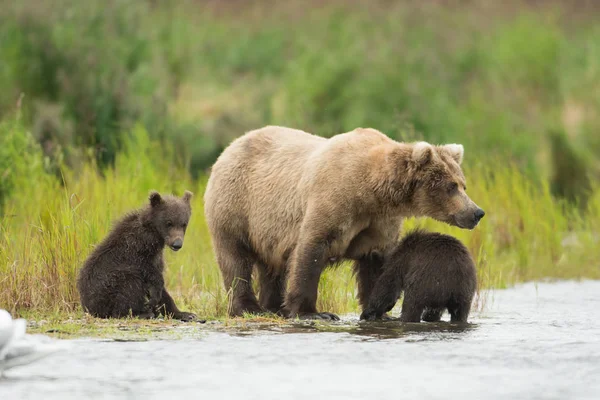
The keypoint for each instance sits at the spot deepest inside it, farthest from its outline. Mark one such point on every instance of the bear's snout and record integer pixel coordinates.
(479, 213)
(468, 219)
(177, 244)
(474, 219)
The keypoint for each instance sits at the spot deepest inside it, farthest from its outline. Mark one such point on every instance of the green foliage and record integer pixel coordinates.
(197, 75)
(94, 63)
(21, 162)
(570, 180)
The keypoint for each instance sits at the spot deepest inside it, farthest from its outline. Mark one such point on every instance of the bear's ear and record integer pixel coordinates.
(422, 153)
(155, 198)
(456, 151)
(187, 196)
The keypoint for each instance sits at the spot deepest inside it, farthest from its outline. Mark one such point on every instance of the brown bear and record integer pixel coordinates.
(123, 276)
(436, 273)
(290, 203)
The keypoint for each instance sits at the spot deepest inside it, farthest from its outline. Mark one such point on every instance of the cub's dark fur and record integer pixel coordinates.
(124, 274)
(435, 271)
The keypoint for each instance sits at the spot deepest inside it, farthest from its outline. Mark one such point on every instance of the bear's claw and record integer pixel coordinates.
(367, 315)
(372, 315)
(386, 317)
(322, 316)
(185, 316)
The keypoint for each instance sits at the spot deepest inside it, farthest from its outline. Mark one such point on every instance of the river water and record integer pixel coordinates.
(530, 342)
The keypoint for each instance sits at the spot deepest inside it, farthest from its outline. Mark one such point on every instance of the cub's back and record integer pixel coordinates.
(436, 261)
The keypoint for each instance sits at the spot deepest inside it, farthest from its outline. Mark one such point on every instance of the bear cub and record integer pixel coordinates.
(123, 276)
(435, 271)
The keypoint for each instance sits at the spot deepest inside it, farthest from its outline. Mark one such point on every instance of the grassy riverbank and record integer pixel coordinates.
(49, 229)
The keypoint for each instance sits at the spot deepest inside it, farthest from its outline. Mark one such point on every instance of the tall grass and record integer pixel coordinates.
(49, 228)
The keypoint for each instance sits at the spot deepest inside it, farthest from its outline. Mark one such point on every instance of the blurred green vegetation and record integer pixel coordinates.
(497, 78)
(515, 82)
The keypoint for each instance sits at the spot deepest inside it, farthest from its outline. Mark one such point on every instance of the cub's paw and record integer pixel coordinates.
(185, 316)
(387, 317)
(146, 315)
(324, 316)
(371, 315)
(368, 314)
(327, 316)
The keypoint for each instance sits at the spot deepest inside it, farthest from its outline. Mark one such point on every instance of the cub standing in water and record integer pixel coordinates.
(435, 271)
(123, 276)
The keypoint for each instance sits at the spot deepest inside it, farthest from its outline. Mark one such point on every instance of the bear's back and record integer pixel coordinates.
(261, 184)
(127, 248)
(436, 262)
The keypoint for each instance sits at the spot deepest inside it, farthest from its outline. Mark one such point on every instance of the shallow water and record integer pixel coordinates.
(531, 342)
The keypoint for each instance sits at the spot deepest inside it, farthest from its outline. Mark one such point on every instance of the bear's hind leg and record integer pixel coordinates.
(432, 314)
(459, 311)
(127, 306)
(272, 286)
(236, 262)
(412, 309)
(128, 299)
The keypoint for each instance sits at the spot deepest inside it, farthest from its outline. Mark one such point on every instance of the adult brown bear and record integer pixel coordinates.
(289, 203)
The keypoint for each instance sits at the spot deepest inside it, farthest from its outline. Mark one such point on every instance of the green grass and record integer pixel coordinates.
(50, 228)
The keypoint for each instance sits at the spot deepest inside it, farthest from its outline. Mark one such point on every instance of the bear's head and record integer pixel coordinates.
(437, 185)
(169, 215)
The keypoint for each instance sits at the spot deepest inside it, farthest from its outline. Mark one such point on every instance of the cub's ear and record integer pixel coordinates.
(456, 151)
(187, 196)
(422, 153)
(155, 198)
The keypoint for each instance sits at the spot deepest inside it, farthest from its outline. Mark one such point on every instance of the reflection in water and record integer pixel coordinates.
(375, 330)
(363, 330)
(535, 341)
(396, 329)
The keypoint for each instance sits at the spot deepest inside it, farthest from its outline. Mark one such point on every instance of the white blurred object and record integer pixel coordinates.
(19, 348)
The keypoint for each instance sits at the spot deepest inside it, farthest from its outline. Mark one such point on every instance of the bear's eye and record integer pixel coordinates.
(169, 224)
(184, 226)
(452, 187)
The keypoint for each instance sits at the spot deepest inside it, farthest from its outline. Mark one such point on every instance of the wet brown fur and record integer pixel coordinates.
(287, 203)
(123, 276)
(436, 273)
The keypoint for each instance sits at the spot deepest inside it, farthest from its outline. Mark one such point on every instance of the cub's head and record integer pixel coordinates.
(170, 215)
(438, 185)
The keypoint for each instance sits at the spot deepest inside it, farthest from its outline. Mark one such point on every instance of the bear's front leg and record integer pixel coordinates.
(308, 261)
(167, 305)
(383, 295)
(367, 269)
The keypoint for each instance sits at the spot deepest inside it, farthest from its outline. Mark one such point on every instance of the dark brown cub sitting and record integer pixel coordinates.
(435, 271)
(124, 274)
